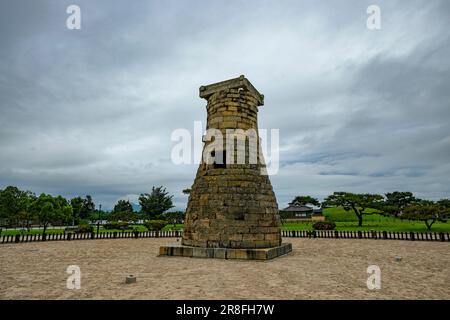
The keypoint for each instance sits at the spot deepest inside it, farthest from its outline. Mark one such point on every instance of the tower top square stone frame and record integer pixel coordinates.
(235, 83)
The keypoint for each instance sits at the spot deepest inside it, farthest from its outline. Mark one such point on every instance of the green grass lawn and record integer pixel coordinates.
(347, 221)
(373, 225)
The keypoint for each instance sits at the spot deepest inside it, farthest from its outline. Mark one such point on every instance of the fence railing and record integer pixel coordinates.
(87, 236)
(386, 235)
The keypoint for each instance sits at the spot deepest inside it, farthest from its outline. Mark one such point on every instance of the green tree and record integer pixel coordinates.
(396, 202)
(82, 208)
(428, 213)
(122, 216)
(25, 216)
(304, 200)
(24, 219)
(13, 206)
(174, 217)
(50, 209)
(87, 208)
(358, 203)
(156, 202)
(444, 203)
(77, 205)
(187, 191)
(123, 206)
(123, 211)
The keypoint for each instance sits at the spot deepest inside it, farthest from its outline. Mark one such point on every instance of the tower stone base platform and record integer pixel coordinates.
(225, 253)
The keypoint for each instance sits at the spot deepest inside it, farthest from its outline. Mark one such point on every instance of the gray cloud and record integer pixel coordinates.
(91, 111)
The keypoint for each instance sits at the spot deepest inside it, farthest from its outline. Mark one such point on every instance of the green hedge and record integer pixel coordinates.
(122, 225)
(324, 225)
(155, 225)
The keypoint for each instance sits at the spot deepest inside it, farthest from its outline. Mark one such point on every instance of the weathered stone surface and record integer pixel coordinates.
(226, 253)
(232, 206)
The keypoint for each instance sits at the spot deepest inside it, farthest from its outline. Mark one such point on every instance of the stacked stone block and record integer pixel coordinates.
(232, 206)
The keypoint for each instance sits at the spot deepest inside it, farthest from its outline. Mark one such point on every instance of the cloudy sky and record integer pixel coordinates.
(91, 111)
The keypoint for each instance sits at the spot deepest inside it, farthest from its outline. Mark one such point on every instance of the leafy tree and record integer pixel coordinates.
(50, 209)
(284, 216)
(396, 202)
(13, 205)
(304, 200)
(174, 217)
(187, 191)
(123, 206)
(123, 211)
(82, 208)
(77, 205)
(122, 216)
(87, 208)
(24, 219)
(444, 203)
(358, 203)
(428, 213)
(156, 202)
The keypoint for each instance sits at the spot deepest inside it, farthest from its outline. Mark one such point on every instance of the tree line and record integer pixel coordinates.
(403, 205)
(19, 208)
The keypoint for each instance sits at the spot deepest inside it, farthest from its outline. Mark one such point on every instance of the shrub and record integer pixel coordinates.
(155, 225)
(122, 216)
(83, 228)
(324, 225)
(70, 229)
(116, 225)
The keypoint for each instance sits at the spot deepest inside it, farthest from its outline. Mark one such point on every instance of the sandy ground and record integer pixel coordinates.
(316, 269)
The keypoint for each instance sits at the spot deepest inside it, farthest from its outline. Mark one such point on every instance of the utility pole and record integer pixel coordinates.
(99, 217)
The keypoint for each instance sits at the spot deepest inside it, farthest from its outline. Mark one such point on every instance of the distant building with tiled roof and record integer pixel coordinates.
(299, 211)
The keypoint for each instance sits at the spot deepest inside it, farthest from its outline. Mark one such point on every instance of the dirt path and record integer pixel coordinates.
(316, 269)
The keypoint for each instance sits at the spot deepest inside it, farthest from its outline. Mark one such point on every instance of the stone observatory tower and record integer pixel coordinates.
(232, 211)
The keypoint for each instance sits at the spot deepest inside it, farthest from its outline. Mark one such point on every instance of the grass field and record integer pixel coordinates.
(345, 221)
(373, 225)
